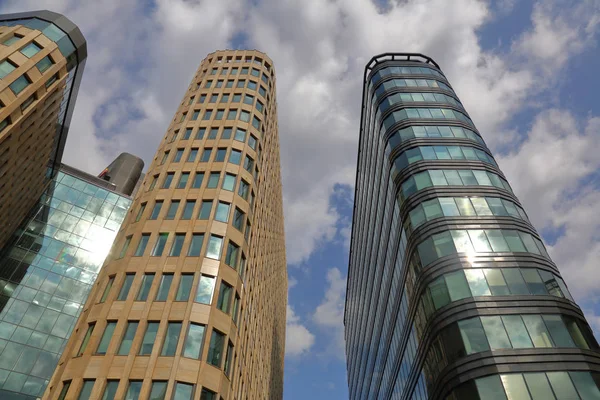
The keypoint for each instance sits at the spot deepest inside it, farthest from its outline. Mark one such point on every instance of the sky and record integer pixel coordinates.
(525, 71)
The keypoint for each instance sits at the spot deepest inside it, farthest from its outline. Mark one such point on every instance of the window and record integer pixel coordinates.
(196, 244)
(153, 182)
(107, 288)
(149, 338)
(219, 115)
(145, 287)
(6, 67)
(232, 115)
(224, 300)
(243, 189)
(237, 98)
(183, 391)
(187, 134)
(248, 163)
(219, 83)
(139, 214)
(11, 40)
(191, 100)
(19, 84)
(200, 134)
(226, 133)
(195, 115)
(225, 98)
(215, 348)
(247, 231)
(252, 142)
(133, 390)
(158, 390)
(163, 289)
(142, 245)
(156, 210)
(238, 219)
(234, 71)
(473, 335)
(206, 286)
(86, 389)
(214, 247)
(259, 106)
(213, 133)
(197, 180)
(206, 155)
(177, 245)
(208, 84)
(30, 50)
(229, 182)
(252, 85)
(220, 157)
(178, 155)
(171, 339)
(241, 83)
(202, 98)
(248, 99)
(205, 209)
(185, 286)
(213, 71)
(126, 286)
(172, 211)
(183, 179)
(207, 115)
(244, 71)
(188, 210)
(213, 180)
(125, 246)
(106, 337)
(229, 359)
(244, 116)
(235, 157)
(50, 81)
(222, 213)
(159, 246)
(213, 98)
(236, 304)
(193, 342)
(192, 155)
(86, 339)
(128, 336)
(64, 390)
(256, 122)
(207, 394)
(232, 255)
(168, 180)
(173, 136)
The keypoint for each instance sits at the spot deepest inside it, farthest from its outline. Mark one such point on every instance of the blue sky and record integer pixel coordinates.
(525, 70)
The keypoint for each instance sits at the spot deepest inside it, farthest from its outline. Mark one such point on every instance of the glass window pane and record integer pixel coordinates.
(496, 282)
(432, 209)
(86, 339)
(539, 387)
(575, 332)
(142, 245)
(457, 285)
(188, 210)
(585, 385)
(481, 206)
(490, 388)
(183, 391)
(172, 211)
(443, 243)
(515, 281)
(196, 245)
(205, 289)
(495, 332)
(439, 293)
(205, 209)
(215, 349)
(473, 335)
(185, 286)
(126, 286)
(160, 244)
(177, 245)
(465, 207)
(163, 289)
(514, 241)
(128, 337)
(222, 213)
(479, 240)
(133, 391)
(497, 241)
(145, 287)
(86, 389)
(477, 282)
(449, 207)
(106, 337)
(149, 338)
(214, 247)
(110, 390)
(229, 182)
(534, 282)
(462, 242)
(517, 332)
(193, 341)
(562, 385)
(514, 386)
(171, 339)
(537, 330)
(558, 331)
(158, 390)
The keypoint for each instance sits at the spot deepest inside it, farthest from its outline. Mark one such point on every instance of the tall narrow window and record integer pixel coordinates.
(107, 288)
(86, 389)
(159, 247)
(222, 213)
(140, 212)
(236, 305)
(86, 339)
(224, 300)
(205, 154)
(214, 247)
(240, 135)
(183, 180)
(229, 182)
(215, 348)
(229, 359)
(238, 219)
(185, 286)
(171, 339)
(126, 286)
(205, 290)
(164, 157)
(110, 390)
(149, 338)
(178, 155)
(205, 209)
(235, 157)
(106, 337)
(158, 391)
(133, 390)
(231, 257)
(64, 390)
(153, 182)
(192, 155)
(128, 336)
(207, 394)
(156, 209)
(168, 180)
(125, 246)
(220, 156)
(165, 285)
(243, 189)
(188, 210)
(183, 391)
(198, 178)
(172, 212)
(193, 342)
(213, 180)
(145, 287)
(142, 245)
(177, 245)
(196, 245)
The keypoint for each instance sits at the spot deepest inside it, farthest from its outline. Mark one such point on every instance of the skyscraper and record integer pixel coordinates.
(191, 303)
(451, 293)
(47, 270)
(42, 55)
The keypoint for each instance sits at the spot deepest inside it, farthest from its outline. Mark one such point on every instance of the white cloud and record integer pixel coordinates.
(330, 313)
(298, 339)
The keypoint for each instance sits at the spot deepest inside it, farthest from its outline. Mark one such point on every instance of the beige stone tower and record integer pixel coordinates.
(191, 303)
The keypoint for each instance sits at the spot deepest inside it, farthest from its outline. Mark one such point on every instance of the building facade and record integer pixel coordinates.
(451, 293)
(42, 55)
(191, 302)
(46, 273)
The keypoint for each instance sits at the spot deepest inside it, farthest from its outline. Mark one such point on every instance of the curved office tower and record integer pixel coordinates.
(451, 293)
(191, 303)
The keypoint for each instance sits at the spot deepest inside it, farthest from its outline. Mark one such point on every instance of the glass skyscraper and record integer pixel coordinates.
(451, 293)
(46, 273)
